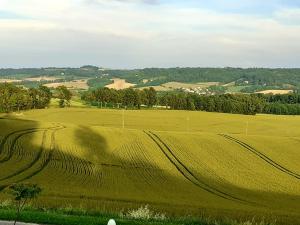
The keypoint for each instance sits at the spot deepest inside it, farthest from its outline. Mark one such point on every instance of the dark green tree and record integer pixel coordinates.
(44, 96)
(23, 194)
(149, 97)
(64, 95)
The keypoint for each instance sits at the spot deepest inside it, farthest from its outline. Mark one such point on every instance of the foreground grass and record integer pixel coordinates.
(63, 218)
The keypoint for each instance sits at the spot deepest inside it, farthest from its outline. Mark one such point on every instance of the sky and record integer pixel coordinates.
(149, 33)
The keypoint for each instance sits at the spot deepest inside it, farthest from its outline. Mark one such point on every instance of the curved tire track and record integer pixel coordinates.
(31, 164)
(46, 161)
(4, 140)
(188, 174)
(262, 156)
(14, 141)
(26, 131)
(43, 165)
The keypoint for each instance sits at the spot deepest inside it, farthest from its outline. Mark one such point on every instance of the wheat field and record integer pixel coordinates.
(177, 162)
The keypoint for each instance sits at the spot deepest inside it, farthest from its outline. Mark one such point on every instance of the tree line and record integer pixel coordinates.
(127, 98)
(288, 104)
(249, 104)
(227, 103)
(293, 98)
(134, 98)
(15, 98)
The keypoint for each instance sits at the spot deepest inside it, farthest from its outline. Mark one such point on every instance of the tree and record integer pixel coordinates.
(64, 95)
(131, 98)
(20, 100)
(14, 98)
(6, 92)
(33, 94)
(44, 96)
(190, 104)
(148, 97)
(23, 193)
(103, 95)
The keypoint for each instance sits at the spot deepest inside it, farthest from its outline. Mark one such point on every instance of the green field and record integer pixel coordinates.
(178, 162)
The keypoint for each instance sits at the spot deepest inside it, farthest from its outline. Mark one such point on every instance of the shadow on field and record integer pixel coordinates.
(91, 140)
(186, 191)
(102, 179)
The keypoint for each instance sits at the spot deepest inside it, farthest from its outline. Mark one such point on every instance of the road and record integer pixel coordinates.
(3, 222)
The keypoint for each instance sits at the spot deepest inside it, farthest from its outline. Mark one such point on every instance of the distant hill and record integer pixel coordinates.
(252, 76)
(232, 79)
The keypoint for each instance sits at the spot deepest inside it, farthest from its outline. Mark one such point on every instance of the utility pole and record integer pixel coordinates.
(188, 124)
(123, 118)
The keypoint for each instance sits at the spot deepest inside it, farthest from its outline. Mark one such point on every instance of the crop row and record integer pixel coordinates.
(262, 156)
(40, 160)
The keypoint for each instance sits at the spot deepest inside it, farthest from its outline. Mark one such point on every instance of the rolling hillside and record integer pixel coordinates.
(227, 80)
(176, 161)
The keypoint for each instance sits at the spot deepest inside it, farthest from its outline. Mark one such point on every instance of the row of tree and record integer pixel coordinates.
(226, 103)
(133, 98)
(237, 104)
(282, 109)
(283, 99)
(16, 98)
(129, 98)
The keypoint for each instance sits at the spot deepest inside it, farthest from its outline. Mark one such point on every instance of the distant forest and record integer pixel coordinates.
(82, 72)
(252, 76)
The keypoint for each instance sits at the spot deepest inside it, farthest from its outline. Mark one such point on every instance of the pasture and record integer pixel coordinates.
(74, 84)
(178, 85)
(169, 86)
(178, 162)
(119, 84)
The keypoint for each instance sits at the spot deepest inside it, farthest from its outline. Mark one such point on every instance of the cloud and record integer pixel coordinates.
(288, 16)
(136, 33)
(101, 2)
(140, 1)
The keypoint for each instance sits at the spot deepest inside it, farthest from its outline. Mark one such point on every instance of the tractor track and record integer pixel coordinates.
(264, 157)
(26, 131)
(188, 174)
(31, 164)
(45, 162)
(4, 140)
(14, 142)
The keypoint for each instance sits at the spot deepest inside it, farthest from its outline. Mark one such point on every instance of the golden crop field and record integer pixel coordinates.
(178, 162)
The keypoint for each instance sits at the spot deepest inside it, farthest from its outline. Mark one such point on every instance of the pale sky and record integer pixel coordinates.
(150, 33)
